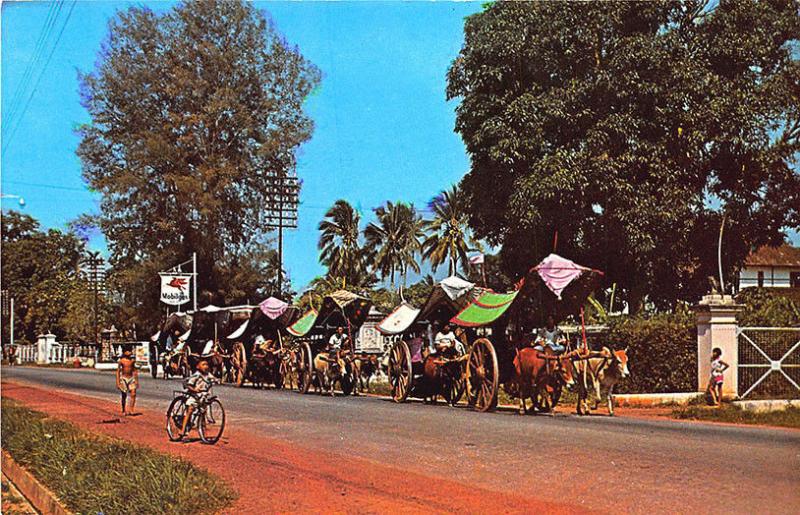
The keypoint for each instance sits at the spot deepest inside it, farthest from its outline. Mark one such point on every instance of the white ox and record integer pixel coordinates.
(604, 372)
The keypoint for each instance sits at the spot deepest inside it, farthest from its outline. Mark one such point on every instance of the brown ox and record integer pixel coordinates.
(604, 371)
(364, 367)
(538, 374)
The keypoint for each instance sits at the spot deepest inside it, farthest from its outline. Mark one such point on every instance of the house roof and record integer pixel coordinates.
(784, 255)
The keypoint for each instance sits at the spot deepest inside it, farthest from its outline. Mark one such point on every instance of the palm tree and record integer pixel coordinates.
(338, 242)
(394, 240)
(449, 238)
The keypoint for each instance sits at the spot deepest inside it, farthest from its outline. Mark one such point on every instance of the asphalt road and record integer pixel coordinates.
(610, 464)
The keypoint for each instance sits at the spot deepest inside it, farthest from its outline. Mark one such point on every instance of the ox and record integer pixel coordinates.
(604, 371)
(364, 368)
(539, 375)
(329, 369)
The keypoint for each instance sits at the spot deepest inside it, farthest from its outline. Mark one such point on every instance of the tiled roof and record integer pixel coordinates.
(784, 255)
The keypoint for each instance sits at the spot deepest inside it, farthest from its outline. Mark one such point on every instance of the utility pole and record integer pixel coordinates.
(281, 210)
(95, 261)
(280, 238)
(194, 285)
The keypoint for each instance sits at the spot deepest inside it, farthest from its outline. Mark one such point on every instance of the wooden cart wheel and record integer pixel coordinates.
(239, 363)
(455, 388)
(482, 376)
(186, 370)
(304, 368)
(400, 375)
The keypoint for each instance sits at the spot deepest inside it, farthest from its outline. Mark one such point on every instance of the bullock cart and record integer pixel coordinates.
(165, 346)
(496, 329)
(413, 370)
(258, 353)
(312, 332)
(508, 356)
(202, 340)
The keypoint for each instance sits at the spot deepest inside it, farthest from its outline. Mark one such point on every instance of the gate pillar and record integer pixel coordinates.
(716, 327)
(44, 343)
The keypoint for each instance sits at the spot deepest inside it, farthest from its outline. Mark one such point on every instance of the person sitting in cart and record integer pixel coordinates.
(336, 342)
(444, 342)
(550, 336)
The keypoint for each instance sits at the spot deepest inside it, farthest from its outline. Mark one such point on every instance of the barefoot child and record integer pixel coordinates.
(718, 367)
(198, 385)
(127, 380)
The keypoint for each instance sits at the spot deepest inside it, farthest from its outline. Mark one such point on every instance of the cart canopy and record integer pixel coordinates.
(448, 298)
(398, 320)
(304, 325)
(485, 309)
(239, 331)
(273, 307)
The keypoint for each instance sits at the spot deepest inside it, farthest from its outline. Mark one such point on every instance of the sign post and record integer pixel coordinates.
(194, 285)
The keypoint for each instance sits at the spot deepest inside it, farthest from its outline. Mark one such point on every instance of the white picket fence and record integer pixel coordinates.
(27, 354)
(55, 353)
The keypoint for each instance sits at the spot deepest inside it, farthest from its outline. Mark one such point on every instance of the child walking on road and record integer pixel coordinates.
(718, 367)
(127, 380)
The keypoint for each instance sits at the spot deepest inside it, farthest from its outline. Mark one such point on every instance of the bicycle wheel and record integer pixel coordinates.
(212, 422)
(175, 412)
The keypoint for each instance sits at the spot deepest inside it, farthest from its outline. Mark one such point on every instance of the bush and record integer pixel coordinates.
(765, 307)
(662, 352)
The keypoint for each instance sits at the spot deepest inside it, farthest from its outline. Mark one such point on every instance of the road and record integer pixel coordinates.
(607, 464)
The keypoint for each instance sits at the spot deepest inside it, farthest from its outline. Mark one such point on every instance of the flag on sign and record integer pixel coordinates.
(175, 288)
(477, 259)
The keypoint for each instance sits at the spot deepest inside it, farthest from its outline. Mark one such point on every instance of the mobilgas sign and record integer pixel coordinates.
(175, 288)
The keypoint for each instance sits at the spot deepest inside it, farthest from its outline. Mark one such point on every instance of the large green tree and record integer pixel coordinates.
(631, 128)
(40, 270)
(193, 112)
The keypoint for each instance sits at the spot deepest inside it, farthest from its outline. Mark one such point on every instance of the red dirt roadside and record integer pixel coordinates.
(271, 475)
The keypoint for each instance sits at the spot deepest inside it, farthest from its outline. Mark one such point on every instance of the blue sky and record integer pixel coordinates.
(383, 128)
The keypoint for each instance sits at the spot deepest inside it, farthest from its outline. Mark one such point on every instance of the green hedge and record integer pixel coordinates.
(662, 352)
(769, 307)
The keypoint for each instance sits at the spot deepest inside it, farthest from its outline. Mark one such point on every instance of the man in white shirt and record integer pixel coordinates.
(443, 341)
(336, 341)
(550, 336)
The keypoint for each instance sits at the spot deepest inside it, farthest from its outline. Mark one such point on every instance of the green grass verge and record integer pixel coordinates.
(92, 473)
(789, 417)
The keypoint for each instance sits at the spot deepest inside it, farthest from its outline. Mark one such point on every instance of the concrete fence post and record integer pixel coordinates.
(717, 327)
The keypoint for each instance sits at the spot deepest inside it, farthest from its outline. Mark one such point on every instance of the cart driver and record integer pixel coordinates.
(336, 342)
(550, 336)
(444, 342)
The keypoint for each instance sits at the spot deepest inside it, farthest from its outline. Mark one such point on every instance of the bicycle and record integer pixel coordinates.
(208, 417)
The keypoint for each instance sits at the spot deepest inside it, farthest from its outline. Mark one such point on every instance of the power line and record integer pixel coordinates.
(39, 78)
(44, 35)
(50, 186)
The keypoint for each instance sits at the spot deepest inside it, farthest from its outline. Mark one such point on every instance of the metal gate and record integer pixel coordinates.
(769, 362)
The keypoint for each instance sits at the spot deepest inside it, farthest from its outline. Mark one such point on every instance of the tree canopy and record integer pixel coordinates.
(631, 128)
(40, 269)
(192, 112)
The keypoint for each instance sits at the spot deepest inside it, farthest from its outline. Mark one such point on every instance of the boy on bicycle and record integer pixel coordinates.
(198, 385)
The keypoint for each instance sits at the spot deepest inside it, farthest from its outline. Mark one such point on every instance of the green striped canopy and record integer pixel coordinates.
(490, 299)
(484, 310)
(304, 325)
